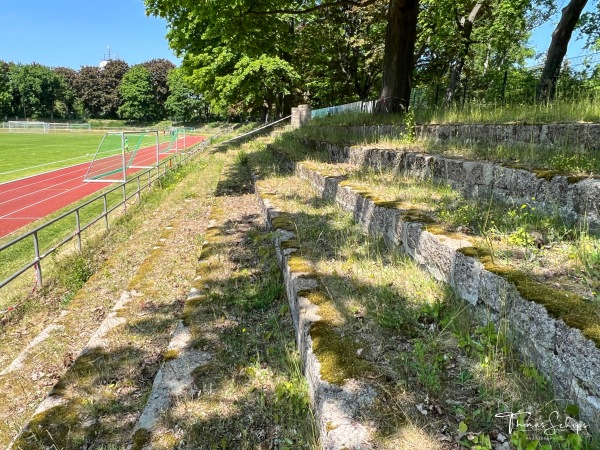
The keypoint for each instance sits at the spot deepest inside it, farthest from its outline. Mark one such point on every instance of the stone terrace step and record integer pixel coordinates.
(574, 198)
(585, 135)
(339, 410)
(562, 353)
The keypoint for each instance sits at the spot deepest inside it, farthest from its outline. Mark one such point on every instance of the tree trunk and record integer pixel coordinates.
(454, 80)
(558, 49)
(398, 57)
(466, 29)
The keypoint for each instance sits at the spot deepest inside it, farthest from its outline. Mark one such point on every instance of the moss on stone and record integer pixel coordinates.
(571, 308)
(171, 354)
(545, 174)
(213, 233)
(390, 204)
(327, 308)
(57, 427)
(191, 306)
(572, 179)
(297, 264)
(442, 230)
(337, 354)
(141, 438)
(283, 222)
(202, 270)
(357, 189)
(475, 252)
(290, 243)
(417, 215)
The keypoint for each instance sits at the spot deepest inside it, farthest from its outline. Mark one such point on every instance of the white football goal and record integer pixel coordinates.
(121, 151)
(22, 126)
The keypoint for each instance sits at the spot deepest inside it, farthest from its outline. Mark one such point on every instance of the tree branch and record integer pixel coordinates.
(357, 4)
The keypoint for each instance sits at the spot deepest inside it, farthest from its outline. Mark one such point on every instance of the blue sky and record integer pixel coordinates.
(75, 33)
(542, 36)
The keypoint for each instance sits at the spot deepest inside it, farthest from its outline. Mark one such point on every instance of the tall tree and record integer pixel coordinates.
(159, 69)
(398, 59)
(465, 27)
(6, 96)
(234, 21)
(558, 48)
(38, 89)
(111, 77)
(90, 90)
(138, 95)
(183, 103)
(69, 97)
(255, 82)
(340, 53)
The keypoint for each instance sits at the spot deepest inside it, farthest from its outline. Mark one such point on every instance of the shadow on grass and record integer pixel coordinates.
(82, 418)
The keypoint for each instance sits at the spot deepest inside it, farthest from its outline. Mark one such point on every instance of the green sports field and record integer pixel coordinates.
(22, 155)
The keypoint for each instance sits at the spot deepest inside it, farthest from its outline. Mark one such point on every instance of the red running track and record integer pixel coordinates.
(26, 200)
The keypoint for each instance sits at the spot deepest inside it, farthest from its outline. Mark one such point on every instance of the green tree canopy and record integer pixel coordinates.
(160, 69)
(37, 88)
(138, 94)
(6, 96)
(183, 103)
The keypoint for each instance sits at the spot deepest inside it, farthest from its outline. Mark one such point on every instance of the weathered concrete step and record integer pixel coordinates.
(585, 135)
(575, 199)
(563, 349)
(339, 410)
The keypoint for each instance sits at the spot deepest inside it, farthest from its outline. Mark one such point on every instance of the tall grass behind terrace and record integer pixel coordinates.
(584, 108)
(564, 110)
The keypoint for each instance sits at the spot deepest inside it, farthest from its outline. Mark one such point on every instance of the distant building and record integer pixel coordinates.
(106, 60)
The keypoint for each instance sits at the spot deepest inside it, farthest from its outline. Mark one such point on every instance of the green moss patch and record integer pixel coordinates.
(327, 308)
(171, 354)
(571, 308)
(444, 230)
(417, 215)
(283, 222)
(336, 354)
(141, 438)
(290, 243)
(545, 174)
(390, 204)
(54, 428)
(297, 264)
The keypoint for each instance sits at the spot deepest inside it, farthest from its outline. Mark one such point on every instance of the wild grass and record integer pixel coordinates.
(563, 110)
(105, 389)
(252, 392)
(563, 158)
(558, 111)
(439, 373)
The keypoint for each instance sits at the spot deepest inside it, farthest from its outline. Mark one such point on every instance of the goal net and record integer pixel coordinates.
(21, 126)
(173, 140)
(120, 152)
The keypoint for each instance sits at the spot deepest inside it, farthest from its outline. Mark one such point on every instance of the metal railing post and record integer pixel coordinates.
(139, 194)
(38, 264)
(105, 211)
(124, 197)
(78, 230)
